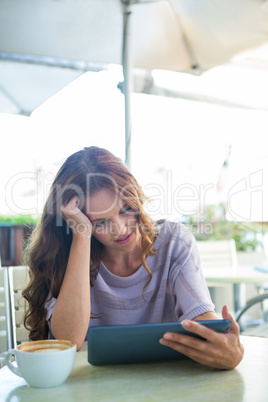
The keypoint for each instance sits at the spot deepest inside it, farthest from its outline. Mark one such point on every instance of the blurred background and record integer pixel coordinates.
(176, 89)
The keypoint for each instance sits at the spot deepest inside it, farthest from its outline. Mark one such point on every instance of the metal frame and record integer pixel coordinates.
(11, 337)
(250, 303)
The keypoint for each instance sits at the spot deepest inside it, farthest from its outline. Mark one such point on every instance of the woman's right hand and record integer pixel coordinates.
(76, 219)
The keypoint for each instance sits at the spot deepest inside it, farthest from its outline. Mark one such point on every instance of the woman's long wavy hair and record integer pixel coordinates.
(83, 174)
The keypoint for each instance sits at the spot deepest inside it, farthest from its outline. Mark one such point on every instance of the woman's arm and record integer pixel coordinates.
(71, 314)
(218, 350)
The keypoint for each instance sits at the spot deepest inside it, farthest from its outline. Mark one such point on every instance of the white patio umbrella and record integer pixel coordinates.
(178, 159)
(176, 35)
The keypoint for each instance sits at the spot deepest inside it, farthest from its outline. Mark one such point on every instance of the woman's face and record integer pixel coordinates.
(114, 223)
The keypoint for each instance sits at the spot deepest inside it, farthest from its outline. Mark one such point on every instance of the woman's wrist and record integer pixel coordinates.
(82, 235)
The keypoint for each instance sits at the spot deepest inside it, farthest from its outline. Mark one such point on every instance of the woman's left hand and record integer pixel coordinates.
(218, 350)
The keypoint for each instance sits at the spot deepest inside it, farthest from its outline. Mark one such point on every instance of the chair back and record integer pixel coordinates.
(265, 248)
(12, 306)
(217, 253)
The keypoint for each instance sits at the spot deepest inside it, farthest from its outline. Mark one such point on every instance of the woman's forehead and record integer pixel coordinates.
(103, 202)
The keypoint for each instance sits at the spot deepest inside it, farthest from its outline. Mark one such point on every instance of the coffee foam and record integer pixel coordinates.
(45, 346)
(45, 350)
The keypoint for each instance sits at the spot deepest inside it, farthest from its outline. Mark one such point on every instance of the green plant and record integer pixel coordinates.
(18, 220)
(213, 225)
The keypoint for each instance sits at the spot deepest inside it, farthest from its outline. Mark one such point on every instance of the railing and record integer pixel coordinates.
(12, 243)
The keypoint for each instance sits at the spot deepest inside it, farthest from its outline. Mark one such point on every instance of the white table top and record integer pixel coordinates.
(183, 380)
(241, 274)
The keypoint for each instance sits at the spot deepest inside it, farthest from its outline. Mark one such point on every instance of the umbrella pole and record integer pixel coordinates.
(127, 72)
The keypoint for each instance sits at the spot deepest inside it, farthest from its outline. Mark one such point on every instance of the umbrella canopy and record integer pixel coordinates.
(164, 34)
(176, 35)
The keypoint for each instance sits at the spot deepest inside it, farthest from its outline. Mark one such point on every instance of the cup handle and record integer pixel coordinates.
(14, 369)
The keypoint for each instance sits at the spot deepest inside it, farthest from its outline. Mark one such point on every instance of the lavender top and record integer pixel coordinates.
(177, 290)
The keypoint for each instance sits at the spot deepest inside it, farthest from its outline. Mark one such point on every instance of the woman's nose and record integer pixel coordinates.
(119, 227)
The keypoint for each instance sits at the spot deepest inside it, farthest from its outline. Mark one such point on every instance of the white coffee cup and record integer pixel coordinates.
(43, 364)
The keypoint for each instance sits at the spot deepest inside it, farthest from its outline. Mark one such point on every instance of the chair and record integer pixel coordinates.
(218, 254)
(263, 288)
(253, 318)
(12, 306)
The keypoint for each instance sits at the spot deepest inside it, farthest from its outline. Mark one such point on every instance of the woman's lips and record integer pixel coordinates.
(124, 239)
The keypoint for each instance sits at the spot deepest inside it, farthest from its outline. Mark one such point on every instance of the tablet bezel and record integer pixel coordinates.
(139, 343)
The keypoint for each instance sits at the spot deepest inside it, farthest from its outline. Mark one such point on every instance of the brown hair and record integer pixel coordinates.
(83, 173)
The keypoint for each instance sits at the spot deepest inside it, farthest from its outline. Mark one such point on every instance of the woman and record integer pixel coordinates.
(96, 258)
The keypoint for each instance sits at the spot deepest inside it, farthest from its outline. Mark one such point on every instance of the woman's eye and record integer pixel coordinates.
(100, 223)
(126, 209)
